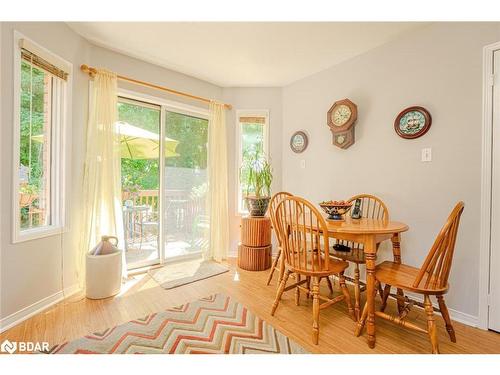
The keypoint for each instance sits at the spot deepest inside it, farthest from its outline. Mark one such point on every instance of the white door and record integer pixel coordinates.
(494, 309)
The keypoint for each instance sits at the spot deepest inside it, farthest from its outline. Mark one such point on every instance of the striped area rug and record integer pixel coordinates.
(217, 324)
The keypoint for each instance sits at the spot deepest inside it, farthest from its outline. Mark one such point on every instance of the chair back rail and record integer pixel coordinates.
(437, 265)
(304, 235)
(372, 207)
(275, 200)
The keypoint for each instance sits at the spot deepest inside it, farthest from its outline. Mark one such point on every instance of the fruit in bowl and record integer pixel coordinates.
(336, 209)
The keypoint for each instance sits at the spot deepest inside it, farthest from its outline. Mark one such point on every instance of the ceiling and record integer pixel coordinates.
(243, 54)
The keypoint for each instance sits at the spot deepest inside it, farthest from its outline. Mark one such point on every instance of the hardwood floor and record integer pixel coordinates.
(78, 316)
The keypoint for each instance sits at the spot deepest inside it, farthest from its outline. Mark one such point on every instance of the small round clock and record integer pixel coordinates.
(299, 142)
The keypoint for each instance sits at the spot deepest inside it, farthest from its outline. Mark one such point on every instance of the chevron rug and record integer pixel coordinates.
(217, 324)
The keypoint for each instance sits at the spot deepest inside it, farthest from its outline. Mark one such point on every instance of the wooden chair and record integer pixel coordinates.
(275, 200)
(371, 207)
(305, 245)
(278, 263)
(430, 279)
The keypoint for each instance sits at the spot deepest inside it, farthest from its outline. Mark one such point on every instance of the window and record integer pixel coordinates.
(40, 80)
(252, 138)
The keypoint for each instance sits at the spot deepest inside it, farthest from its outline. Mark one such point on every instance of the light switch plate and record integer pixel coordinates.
(303, 164)
(426, 154)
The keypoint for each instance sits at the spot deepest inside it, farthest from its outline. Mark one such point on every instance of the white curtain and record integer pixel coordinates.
(217, 179)
(101, 200)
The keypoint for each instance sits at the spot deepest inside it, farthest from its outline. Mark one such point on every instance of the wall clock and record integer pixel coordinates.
(299, 142)
(341, 119)
(413, 122)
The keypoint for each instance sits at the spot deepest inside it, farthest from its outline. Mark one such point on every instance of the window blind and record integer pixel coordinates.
(252, 119)
(43, 59)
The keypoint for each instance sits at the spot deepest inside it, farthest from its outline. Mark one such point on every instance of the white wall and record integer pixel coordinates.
(251, 98)
(31, 271)
(438, 67)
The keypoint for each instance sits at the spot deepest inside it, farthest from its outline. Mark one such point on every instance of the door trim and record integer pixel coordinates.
(486, 185)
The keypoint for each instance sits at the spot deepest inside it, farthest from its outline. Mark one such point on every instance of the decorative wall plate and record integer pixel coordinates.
(299, 142)
(413, 122)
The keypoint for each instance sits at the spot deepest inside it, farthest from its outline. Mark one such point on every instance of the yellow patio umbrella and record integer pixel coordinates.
(137, 143)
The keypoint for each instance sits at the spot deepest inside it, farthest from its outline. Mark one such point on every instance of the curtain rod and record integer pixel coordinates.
(91, 71)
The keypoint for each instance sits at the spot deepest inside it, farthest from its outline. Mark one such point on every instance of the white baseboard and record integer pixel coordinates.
(27, 312)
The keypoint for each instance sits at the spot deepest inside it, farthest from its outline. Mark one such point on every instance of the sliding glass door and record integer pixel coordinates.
(139, 128)
(185, 225)
(174, 224)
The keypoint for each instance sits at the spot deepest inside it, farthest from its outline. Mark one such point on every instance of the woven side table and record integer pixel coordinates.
(255, 249)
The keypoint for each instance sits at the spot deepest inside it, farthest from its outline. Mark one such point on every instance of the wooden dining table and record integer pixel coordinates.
(370, 233)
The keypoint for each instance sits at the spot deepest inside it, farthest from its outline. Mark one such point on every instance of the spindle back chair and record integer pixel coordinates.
(305, 249)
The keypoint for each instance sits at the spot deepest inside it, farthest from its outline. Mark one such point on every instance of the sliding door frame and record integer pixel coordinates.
(166, 106)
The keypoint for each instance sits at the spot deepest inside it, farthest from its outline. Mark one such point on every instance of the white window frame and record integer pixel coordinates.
(240, 209)
(59, 126)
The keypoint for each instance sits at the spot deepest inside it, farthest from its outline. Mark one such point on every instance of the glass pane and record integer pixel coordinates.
(35, 151)
(252, 142)
(186, 183)
(139, 127)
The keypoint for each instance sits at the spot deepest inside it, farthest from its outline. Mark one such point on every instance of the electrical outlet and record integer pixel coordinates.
(426, 154)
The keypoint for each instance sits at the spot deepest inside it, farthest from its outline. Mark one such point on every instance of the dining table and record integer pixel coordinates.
(370, 233)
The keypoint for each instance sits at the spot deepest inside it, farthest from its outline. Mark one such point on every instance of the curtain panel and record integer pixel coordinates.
(218, 184)
(101, 200)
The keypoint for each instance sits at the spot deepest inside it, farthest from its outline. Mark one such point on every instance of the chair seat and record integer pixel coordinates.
(353, 255)
(334, 267)
(403, 276)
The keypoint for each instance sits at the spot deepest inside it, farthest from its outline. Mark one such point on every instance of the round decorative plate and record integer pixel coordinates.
(299, 142)
(413, 122)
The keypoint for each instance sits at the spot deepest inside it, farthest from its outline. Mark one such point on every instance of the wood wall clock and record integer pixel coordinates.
(299, 142)
(341, 119)
(413, 122)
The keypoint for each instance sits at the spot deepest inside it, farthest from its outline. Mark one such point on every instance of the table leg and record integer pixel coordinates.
(371, 257)
(396, 251)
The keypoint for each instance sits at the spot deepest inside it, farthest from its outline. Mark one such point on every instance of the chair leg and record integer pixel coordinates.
(361, 322)
(357, 292)
(308, 278)
(431, 325)
(315, 294)
(330, 286)
(446, 317)
(273, 267)
(387, 291)
(297, 292)
(401, 300)
(281, 289)
(347, 296)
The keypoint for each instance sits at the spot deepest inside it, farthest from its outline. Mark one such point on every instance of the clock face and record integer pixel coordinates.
(341, 115)
(298, 142)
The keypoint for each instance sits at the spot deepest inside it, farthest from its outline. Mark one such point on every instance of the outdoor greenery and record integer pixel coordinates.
(32, 94)
(255, 171)
(190, 132)
(31, 169)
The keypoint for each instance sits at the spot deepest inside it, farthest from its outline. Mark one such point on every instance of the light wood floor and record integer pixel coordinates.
(78, 316)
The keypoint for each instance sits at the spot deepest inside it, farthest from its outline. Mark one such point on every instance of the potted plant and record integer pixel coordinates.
(256, 175)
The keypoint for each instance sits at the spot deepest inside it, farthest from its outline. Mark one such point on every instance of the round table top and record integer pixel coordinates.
(366, 226)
